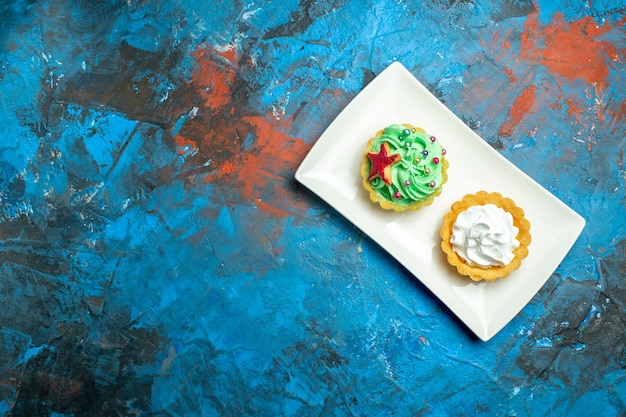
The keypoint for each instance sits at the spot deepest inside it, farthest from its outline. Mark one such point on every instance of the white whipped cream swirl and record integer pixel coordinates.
(484, 236)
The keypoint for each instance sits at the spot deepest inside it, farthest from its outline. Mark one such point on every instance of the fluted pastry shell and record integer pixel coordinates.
(478, 273)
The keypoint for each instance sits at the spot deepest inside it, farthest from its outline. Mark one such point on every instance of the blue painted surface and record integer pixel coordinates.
(157, 257)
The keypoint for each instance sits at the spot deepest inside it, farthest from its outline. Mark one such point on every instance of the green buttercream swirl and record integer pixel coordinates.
(414, 175)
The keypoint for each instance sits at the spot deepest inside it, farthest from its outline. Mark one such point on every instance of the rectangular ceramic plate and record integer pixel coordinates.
(331, 170)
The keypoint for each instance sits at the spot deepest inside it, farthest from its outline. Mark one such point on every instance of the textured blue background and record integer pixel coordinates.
(157, 257)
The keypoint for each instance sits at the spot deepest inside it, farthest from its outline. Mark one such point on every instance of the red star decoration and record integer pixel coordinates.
(382, 162)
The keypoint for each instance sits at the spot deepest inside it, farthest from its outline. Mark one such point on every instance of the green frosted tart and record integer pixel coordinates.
(403, 168)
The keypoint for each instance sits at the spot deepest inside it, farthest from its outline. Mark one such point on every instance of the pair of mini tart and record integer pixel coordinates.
(484, 235)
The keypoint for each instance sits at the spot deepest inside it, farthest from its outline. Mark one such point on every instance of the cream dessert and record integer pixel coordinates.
(485, 236)
(403, 167)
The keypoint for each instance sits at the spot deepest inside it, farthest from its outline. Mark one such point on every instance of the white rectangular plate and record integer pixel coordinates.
(331, 170)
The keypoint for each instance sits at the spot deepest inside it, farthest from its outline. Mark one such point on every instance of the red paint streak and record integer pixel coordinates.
(214, 77)
(510, 74)
(520, 108)
(229, 54)
(573, 109)
(266, 171)
(261, 174)
(571, 50)
(183, 144)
